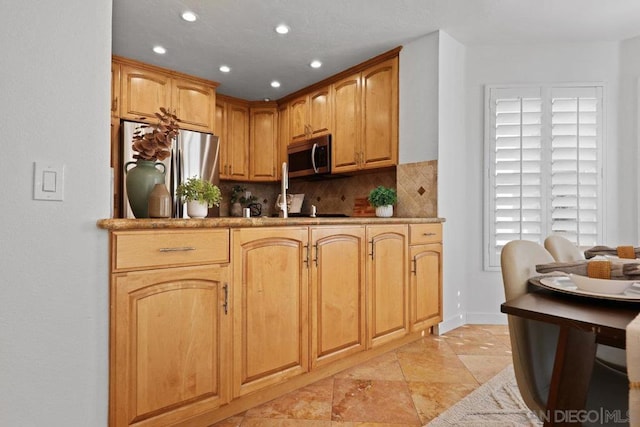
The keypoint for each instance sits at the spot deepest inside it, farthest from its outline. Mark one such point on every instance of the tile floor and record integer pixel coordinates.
(406, 387)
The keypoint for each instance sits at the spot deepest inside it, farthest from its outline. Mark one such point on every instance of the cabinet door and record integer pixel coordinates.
(319, 112)
(115, 89)
(387, 283)
(263, 144)
(426, 286)
(346, 124)
(170, 344)
(270, 296)
(283, 137)
(299, 118)
(238, 147)
(337, 293)
(143, 93)
(194, 104)
(220, 129)
(380, 115)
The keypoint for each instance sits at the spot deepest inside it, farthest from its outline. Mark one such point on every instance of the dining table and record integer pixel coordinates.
(583, 323)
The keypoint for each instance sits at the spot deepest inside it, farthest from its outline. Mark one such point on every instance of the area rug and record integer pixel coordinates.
(495, 403)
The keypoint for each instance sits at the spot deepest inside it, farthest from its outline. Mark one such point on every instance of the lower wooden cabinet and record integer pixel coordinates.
(170, 342)
(207, 322)
(337, 292)
(425, 265)
(387, 283)
(270, 297)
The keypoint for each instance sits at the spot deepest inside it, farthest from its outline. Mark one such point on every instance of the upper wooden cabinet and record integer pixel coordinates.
(365, 119)
(310, 115)
(263, 143)
(232, 127)
(144, 89)
(283, 137)
(115, 89)
(346, 95)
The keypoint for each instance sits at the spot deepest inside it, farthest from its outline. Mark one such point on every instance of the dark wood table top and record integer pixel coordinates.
(608, 319)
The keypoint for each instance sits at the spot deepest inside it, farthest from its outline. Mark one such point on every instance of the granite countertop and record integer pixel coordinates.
(235, 222)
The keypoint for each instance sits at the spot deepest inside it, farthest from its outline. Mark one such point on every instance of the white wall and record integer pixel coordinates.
(628, 122)
(452, 189)
(594, 62)
(418, 127)
(54, 292)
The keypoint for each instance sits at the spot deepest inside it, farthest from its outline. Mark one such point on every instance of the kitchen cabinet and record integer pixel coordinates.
(144, 89)
(115, 89)
(365, 119)
(426, 275)
(170, 328)
(232, 126)
(387, 283)
(263, 143)
(116, 167)
(283, 137)
(337, 292)
(270, 299)
(310, 115)
(346, 95)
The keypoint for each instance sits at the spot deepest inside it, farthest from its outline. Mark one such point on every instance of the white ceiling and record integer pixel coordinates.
(341, 33)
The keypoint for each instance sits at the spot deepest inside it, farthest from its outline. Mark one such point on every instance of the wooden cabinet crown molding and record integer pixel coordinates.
(341, 75)
(177, 74)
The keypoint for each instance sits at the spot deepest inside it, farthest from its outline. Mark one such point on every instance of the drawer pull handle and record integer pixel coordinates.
(428, 234)
(180, 249)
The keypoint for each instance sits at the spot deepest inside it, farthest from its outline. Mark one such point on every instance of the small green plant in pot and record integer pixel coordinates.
(199, 196)
(383, 199)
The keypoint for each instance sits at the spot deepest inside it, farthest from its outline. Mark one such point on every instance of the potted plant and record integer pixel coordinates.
(383, 199)
(238, 199)
(152, 144)
(199, 196)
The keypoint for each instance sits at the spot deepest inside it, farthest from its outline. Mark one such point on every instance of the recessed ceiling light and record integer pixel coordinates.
(159, 50)
(225, 68)
(275, 84)
(189, 16)
(267, 99)
(282, 29)
(316, 64)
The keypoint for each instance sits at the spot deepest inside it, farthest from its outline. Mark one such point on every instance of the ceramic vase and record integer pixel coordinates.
(140, 181)
(385, 211)
(159, 202)
(197, 209)
(236, 209)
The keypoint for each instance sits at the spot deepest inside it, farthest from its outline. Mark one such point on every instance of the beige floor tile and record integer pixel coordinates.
(362, 400)
(431, 399)
(483, 368)
(385, 367)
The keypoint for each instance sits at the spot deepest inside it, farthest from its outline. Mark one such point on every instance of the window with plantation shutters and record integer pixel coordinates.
(543, 157)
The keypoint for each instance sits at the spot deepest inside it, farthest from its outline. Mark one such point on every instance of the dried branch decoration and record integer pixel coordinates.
(156, 145)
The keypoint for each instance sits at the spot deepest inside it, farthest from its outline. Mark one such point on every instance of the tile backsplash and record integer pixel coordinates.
(416, 184)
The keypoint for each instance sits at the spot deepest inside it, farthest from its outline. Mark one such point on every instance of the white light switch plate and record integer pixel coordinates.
(48, 181)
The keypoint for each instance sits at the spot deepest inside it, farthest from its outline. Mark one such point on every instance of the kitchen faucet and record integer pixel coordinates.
(283, 191)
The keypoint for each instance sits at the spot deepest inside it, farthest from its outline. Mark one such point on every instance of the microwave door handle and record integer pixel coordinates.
(313, 157)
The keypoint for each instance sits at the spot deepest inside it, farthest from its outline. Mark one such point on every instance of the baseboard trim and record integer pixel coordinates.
(486, 319)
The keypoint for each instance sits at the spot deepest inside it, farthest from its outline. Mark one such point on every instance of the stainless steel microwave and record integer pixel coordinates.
(310, 157)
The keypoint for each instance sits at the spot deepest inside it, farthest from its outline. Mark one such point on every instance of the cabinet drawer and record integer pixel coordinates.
(425, 233)
(143, 249)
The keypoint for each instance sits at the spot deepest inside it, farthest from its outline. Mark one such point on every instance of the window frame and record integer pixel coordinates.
(545, 90)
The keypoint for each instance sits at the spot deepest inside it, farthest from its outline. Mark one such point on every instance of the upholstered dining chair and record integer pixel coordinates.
(561, 249)
(533, 343)
(633, 361)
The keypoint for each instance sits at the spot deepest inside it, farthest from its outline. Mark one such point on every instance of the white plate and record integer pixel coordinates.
(600, 286)
(565, 285)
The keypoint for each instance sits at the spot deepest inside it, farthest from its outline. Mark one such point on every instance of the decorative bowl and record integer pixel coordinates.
(600, 286)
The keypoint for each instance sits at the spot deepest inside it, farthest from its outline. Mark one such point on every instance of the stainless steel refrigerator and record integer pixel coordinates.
(192, 154)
